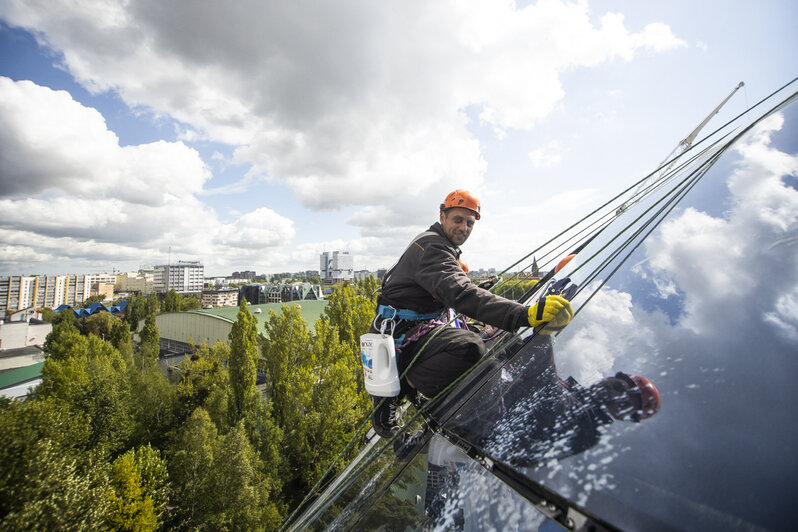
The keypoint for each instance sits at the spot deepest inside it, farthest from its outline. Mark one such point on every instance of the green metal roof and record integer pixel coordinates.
(15, 376)
(311, 311)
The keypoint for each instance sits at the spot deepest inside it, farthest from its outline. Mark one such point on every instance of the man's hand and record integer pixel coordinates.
(487, 284)
(554, 310)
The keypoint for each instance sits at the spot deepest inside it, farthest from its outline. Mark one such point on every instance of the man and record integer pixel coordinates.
(418, 290)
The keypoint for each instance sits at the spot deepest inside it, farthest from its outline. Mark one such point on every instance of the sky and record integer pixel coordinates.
(259, 134)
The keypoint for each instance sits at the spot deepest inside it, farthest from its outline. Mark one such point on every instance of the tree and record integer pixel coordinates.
(329, 409)
(204, 381)
(89, 376)
(351, 314)
(285, 352)
(56, 492)
(154, 476)
(48, 315)
(514, 288)
(267, 439)
(149, 337)
(130, 507)
(241, 496)
(153, 403)
(99, 324)
(24, 425)
(121, 339)
(139, 307)
(368, 288)
(191, 302)
(190, 467)
(243, 364)
(64, 339)
(172, 302)
(315, 395)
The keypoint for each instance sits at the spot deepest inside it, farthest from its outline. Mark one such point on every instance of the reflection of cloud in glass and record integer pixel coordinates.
(724, 362)
(718, 263)
(785, 315)
(605, 329)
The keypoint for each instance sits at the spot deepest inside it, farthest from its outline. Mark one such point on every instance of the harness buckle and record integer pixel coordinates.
(385, 308)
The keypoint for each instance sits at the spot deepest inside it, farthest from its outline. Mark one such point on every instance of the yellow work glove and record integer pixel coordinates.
(554, 310)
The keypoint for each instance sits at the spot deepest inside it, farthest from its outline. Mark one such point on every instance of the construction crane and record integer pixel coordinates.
(682, 147)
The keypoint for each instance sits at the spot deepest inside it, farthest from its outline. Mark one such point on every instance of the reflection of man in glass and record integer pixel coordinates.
(542, 416)
(527, 415)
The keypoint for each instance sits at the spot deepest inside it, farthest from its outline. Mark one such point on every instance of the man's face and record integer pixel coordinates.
(457, 224)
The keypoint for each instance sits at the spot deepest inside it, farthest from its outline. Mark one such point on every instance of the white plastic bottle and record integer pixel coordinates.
(378, 355)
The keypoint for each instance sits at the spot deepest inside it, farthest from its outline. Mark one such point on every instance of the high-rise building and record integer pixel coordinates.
(335, 267)
(185, 277)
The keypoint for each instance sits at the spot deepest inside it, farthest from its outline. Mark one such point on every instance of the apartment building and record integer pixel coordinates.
(185, 277)
(18, 292)
(141, 282)
(219, 298)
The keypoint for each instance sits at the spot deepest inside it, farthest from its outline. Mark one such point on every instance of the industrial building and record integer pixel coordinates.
(180, 330)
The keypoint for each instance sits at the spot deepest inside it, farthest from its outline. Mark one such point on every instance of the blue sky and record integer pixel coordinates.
(258, 136)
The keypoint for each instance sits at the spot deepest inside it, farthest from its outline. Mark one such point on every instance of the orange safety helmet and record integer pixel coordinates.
(461, 198)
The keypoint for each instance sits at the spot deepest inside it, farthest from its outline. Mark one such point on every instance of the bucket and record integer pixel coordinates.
(378, 355)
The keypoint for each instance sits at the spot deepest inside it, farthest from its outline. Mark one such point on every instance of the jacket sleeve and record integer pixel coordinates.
(440, 274)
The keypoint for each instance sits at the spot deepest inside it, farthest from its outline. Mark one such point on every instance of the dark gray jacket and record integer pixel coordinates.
(428, 277)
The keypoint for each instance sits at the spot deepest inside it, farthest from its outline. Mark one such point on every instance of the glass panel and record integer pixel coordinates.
(442, 489)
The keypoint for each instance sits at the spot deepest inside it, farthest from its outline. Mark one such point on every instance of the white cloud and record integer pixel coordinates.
(70, 192)
(343, 111)
(22, 255)
(50, 142)
(258, 229)
(605, 330)
(547, 156)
